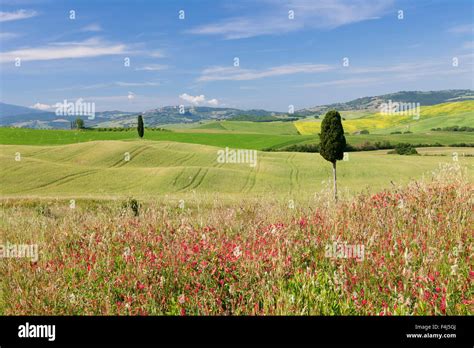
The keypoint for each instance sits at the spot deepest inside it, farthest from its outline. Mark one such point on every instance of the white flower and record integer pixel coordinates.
(237, 252)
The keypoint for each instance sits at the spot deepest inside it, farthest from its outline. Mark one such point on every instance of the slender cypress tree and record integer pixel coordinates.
(333, 142)
(140, 127)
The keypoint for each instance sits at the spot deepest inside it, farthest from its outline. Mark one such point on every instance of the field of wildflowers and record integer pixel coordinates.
(257, 257)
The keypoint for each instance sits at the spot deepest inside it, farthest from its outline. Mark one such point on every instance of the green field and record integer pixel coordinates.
(25, 136)
(284, 128)
(99, 169)
(60, 137)
(434, 116)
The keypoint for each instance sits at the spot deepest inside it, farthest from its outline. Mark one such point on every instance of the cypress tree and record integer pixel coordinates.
(333, 142)
(140, 127)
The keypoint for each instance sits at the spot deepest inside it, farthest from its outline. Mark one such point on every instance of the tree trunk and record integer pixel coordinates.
(335, 180)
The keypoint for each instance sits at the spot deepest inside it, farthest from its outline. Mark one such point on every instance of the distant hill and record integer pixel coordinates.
(19, 116)
(23, 116)
(373, 103)
(459, 113)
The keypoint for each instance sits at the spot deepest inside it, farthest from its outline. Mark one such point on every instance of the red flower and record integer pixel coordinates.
(140, 286)
(443, 304)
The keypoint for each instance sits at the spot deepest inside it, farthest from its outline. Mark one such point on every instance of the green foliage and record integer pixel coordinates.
(404, 149)
(79, 123)
(332, 139)
(454, 129)
(133, 205)
(44, 210)
(299, 148)
(140, 127)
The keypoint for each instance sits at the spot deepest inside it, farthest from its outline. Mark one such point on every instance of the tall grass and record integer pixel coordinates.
(256, 257)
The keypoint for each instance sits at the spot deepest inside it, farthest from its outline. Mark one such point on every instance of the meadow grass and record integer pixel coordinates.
(257, 256)
(277, 127)
(95, 169)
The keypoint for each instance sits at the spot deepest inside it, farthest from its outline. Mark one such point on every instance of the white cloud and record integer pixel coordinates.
(40, 106)
(213, 102)
(14, 16)
(153, 67)
(63, 50)
(342, 82)
(462, 29)
(92, 27)
(156, 54)
(131, 96)
(135, 84)
(198, 99)
(319, 14)
(238, 74)
(8, 36)
(469, 45)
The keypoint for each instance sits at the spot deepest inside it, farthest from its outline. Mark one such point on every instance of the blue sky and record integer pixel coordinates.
(282, 61)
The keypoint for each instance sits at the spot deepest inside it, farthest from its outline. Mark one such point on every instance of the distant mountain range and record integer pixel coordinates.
(19, 116)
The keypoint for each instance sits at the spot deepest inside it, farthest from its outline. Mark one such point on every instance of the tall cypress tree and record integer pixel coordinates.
(140, 127)
(333, 142)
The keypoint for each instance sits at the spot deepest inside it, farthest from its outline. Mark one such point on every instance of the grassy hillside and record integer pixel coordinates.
(277, 127)
(440, 115)
(99, 169)
(60, 137)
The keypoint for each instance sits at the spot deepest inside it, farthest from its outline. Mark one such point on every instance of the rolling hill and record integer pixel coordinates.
(425, 98)
(99, 169)
(459, 113)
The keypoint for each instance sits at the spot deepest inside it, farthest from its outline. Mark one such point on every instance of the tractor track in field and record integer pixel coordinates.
(179, 161)
(134, 153)
(201, 179)
(192, 184)
(39, 152)
(251, 178)
(65, 179)
(176, 178)
(294, 173)
(297, 172)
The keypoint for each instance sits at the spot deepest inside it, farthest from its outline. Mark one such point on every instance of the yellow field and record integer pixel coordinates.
(381, 122)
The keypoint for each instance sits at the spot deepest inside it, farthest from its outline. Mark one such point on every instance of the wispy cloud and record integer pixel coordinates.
(238, 74)
(110, 84)
(319, 14)
(462, 29)
(92, 28)
(156, 54)
(17, 15)
(469, 45)
(198, 100)
(136, 84)
(7, 36)
(342, 83)
(65, 50)
(40, 106)
(152, 67)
